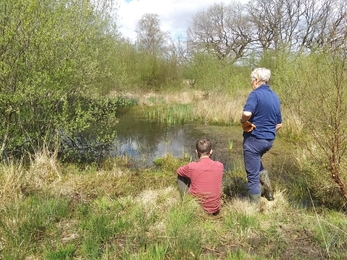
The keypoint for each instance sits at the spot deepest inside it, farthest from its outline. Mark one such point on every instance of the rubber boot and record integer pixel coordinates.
(265, 182)
(254, 198)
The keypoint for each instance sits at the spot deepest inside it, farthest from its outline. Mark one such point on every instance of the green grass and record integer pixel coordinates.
(140, 215)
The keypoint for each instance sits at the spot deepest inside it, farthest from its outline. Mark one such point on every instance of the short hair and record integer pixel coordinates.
(203, 146)
(262, 74)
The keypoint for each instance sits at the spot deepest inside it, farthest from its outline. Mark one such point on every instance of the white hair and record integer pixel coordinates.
(262, 74)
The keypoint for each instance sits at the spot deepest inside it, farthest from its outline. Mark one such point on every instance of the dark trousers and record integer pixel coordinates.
(253, 150)
(183, 184)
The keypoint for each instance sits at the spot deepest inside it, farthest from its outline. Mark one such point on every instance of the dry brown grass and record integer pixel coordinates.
(153, 98)
(220, 108)
(243, 206)
(291, 122)
(44, 168)
(42, 173)
(212, 106)
(11, 180)
(45, 174)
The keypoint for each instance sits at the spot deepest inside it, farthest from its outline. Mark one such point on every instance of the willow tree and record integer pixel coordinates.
(315, 100)
(49, 57)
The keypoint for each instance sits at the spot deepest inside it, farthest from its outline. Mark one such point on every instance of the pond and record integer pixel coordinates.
(141, 140)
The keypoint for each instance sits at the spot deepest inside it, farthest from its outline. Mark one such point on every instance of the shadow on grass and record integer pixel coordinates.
(235, 187)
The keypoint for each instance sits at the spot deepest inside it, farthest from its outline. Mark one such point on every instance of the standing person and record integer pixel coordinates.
(203, 179)
(261, 119)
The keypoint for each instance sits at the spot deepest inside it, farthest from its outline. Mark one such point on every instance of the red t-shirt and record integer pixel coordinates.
(205, 182)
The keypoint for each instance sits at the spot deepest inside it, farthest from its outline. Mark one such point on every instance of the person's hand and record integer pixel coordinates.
(248, 126)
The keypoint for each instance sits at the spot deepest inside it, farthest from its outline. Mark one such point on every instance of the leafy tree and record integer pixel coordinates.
(49, 55)
(156, 66)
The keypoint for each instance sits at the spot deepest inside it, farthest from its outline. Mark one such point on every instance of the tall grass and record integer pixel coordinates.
(176, 114)
(118, 213)
(207, 106)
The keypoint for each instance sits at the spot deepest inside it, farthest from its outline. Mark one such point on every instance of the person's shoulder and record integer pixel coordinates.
(189, 164)
(193, 164)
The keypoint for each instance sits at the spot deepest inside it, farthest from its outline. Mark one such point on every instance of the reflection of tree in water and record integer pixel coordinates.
(141, 141)
(145, 140)
(140, 133)
(84, 147)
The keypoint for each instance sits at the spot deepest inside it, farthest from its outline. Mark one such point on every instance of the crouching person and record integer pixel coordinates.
(203, 179)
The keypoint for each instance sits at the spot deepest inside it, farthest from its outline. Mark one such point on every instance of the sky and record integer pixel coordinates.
(175, 15)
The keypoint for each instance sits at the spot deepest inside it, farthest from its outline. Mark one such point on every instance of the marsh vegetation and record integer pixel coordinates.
(109, 210)
(66, 81)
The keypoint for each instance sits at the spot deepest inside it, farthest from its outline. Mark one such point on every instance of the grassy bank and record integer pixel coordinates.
(53, 211)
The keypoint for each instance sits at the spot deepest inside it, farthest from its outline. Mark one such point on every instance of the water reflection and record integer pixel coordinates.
(142, 141)
(144, 147)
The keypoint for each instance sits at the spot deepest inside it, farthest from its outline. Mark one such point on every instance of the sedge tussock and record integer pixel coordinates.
(242, 206)
(279, 205)
(90, 185)
(44, 169)
(10, 181)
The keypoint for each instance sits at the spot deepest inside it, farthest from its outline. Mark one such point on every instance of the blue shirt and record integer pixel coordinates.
(266, 112)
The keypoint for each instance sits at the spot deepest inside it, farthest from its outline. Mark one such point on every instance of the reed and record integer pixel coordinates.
(172, 115)
(208, 107)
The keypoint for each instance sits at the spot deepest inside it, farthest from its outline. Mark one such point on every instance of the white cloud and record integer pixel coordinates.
(175, 15)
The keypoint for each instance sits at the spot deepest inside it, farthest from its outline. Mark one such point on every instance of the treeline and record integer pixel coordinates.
(224, 37)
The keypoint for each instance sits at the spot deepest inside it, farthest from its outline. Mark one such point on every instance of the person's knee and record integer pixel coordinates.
(183, 184)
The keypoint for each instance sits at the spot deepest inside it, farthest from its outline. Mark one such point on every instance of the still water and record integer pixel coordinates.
(141, 140)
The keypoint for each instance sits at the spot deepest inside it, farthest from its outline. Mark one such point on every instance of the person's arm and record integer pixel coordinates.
(278, 126)
(183, 171)
(246, 115)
